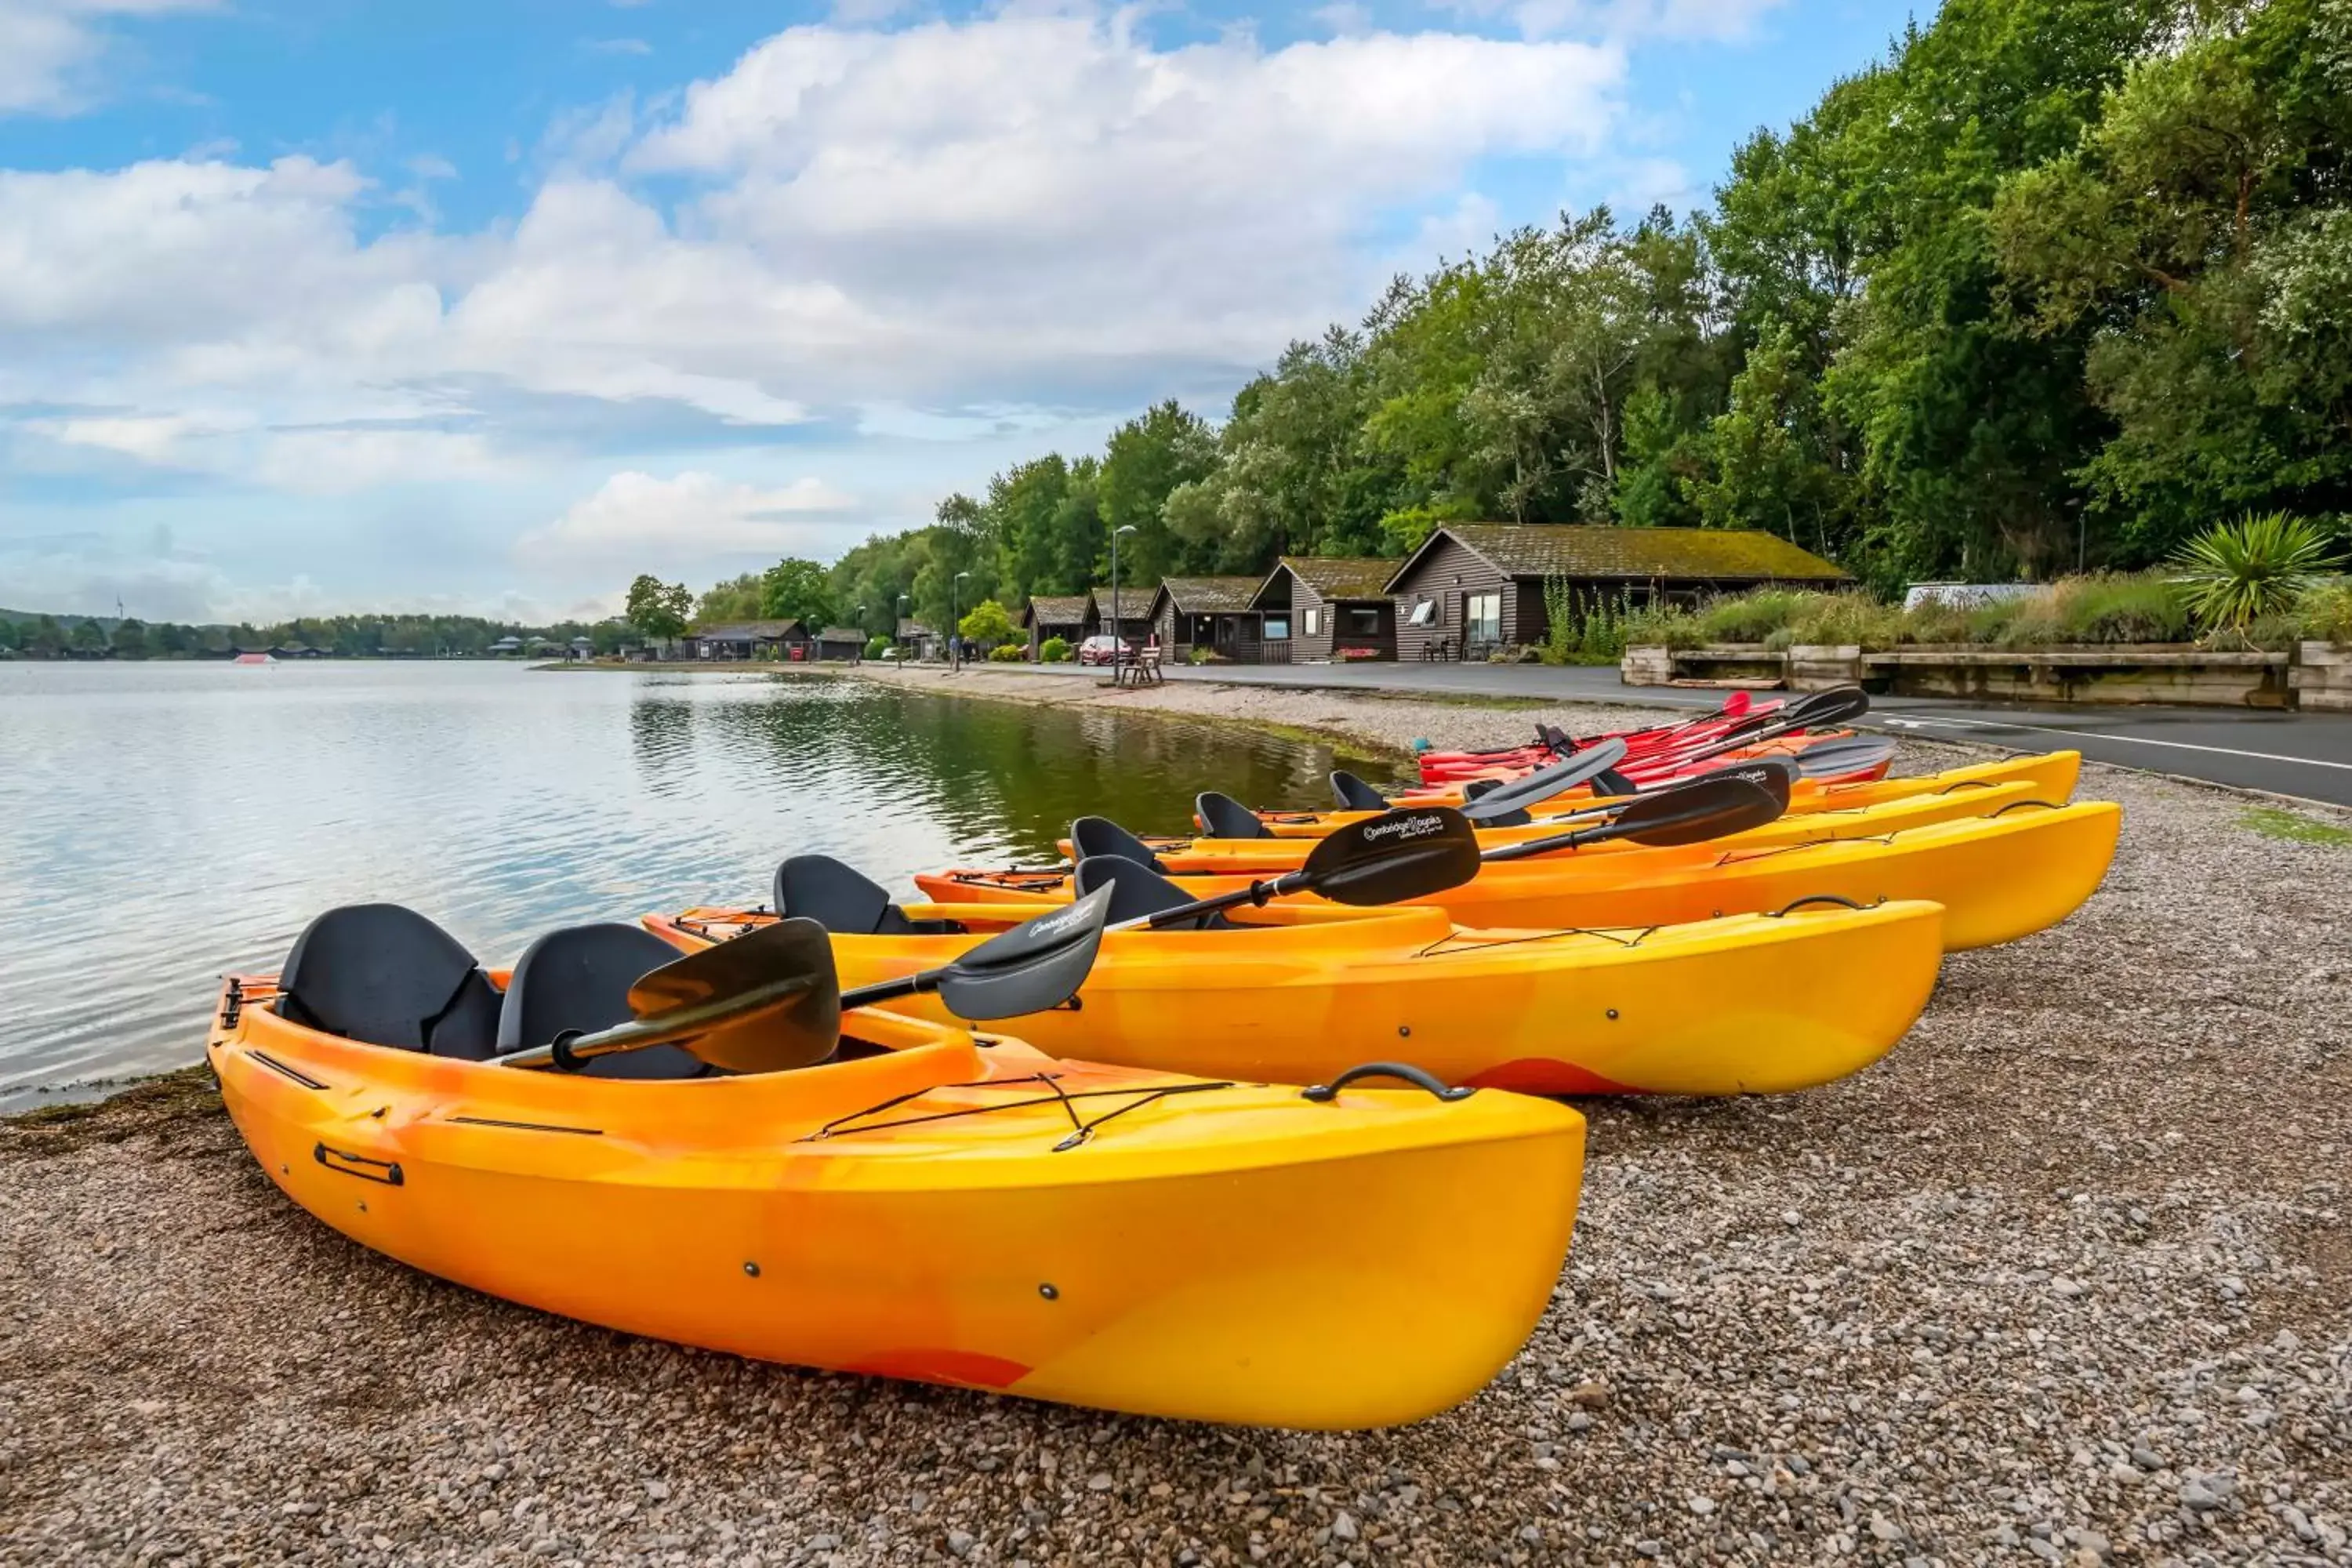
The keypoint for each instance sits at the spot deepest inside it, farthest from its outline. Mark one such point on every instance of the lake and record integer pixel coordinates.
(164, 824)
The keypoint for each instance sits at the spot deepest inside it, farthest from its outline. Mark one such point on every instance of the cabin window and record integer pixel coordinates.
(1277, 628)
(1364, 620)
(1314, 622)
(1482, 617)
(1424, 614)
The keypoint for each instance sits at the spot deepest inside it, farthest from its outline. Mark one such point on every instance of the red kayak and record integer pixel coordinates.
(1552, 743)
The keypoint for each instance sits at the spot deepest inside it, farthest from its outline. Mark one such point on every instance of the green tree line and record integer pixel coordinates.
(26, 636)
(2051, 286)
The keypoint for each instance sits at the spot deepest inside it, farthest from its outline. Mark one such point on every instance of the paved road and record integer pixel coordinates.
(2303, 754)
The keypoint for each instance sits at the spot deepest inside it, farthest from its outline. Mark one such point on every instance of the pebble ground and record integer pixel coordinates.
(2068, 1277)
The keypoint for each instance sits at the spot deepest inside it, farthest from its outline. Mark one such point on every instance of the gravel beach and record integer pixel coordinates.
(2068, 1277)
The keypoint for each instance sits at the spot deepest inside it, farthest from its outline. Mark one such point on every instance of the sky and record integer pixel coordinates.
(309, 306)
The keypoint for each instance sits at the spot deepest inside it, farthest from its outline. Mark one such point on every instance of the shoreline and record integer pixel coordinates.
(2071, 1267)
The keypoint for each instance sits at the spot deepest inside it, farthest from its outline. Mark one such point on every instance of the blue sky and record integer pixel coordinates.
(319, 306)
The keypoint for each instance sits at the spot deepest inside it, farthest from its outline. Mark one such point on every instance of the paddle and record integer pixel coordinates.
(1776, 776)
(1543, 784)
(1853, 754)
(1392, 858)
(769, 1000)
(1821, 708)
(1687, 814)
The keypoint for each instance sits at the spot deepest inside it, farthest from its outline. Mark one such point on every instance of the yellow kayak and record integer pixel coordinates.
(938, 1206)
(2050, 776)
(1298, 990)
(1212, 857)
(1997, 877)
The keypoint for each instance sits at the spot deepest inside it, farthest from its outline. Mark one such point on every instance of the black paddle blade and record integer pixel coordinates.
(1037, 965)
(767, 1001)
(1854, 755)
(1354, 794)
(1690, 812)
(1776, 776)
(1101, 835)
(1687, 814)
(1223, 817)
(1393, 859)
(1818, 709)
(1546, 781)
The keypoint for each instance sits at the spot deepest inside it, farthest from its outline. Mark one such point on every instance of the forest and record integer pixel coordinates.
(2049, 289)
(25, 634)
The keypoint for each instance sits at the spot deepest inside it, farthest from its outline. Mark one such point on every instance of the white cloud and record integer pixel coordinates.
(48, 49)
(616, 45)
(695, 517)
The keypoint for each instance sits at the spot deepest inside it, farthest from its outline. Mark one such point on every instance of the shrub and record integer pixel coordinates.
(2325, 613)
(1008, 653)
(1054, 650)
(1839, 620)
(877, 646)
(1661, 624)
(2262, 565)
(1201, 654)
(1750, 617)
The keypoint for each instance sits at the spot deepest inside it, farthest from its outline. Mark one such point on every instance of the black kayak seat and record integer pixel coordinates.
(1556, 738)
(1091, 836)
(1354, 794)
(385, 975)
(845, 901)
(1609, 781)
(577, 981)
(1138, 892)
(1223, 817)
(1477, 788)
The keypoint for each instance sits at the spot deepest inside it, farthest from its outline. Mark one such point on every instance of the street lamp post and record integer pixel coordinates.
(859, 656)
(1118, 626)
(898, 613)
(955, 633)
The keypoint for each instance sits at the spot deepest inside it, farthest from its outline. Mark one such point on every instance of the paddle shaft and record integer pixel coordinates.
(676, 1025)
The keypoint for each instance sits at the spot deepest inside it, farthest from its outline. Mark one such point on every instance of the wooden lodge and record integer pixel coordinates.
(838, 642)
(1473, 587)
(1212, 613)
(747, 639)
(1049, 615)
(1135, 601)
(1317, 607)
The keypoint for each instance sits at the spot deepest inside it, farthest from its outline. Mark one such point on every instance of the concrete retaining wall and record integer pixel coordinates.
(2315, 676)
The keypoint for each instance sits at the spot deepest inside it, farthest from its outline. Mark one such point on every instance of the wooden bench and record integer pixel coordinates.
(1140, 668)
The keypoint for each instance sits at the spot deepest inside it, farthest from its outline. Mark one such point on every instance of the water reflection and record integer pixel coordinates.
(159, 825)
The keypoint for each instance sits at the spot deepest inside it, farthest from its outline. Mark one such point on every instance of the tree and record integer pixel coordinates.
(2199, 235)
(87, 637)
(657, 609)
(736, 599)
(987, 624)
(1770, 467)
(1148, 458)
(797, 590)
(46, 639)
(130, 639)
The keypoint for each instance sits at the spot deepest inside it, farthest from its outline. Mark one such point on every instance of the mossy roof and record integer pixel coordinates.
(1343, 576)
(1563, 550)
(1209, 595)
(1055, 610)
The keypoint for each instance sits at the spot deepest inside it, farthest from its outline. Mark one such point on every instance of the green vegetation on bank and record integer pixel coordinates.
(29, 634)
(2052, 287)
(2272, 823)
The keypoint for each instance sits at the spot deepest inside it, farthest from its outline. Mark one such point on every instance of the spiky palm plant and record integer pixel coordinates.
(2236, 572)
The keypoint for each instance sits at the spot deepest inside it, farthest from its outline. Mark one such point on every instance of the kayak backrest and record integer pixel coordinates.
(385, 975)
(1091, 836)
(577, 981)
(1223, 817)
(1354, 794)
(1139, 892)
(844, 900)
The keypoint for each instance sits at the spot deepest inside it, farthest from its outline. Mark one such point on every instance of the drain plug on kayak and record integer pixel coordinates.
(752, 1269)
(1050, 1293)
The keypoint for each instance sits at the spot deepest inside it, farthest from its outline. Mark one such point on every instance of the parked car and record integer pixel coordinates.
(1099, 648)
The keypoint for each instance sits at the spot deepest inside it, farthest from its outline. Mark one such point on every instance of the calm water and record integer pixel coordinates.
(163, 823)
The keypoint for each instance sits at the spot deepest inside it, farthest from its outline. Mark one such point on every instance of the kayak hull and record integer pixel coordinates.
(1997, 877)
(1230, 1253)
(1747, 1004)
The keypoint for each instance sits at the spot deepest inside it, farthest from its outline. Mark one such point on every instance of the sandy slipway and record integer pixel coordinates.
(2067, 1278)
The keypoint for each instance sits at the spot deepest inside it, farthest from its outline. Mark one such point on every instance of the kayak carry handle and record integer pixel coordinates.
(1839, 899)
(1322, 1093)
